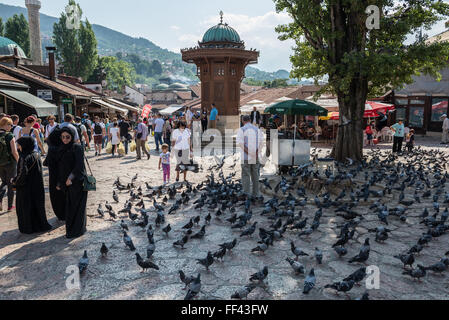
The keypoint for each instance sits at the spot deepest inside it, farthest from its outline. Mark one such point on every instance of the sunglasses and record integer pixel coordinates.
(65, 137)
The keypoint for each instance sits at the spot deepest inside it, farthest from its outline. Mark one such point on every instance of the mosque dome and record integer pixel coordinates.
(7, 48)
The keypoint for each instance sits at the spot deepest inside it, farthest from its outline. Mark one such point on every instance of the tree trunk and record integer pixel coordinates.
(349, 143)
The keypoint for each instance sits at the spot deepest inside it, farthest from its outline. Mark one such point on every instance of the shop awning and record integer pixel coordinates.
(104, 104)
(170, 110)
(42, 107)
(123, 105)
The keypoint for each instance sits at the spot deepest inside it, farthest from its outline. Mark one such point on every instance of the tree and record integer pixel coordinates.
(2, 28)
(332, 38)
(76, 47)
(156, 68)
(16, 29)
(116, 72)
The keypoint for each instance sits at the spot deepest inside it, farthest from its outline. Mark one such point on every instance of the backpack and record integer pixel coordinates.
(78, 129)
(98, 129)
(5, 152)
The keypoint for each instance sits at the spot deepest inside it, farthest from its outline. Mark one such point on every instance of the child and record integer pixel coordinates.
(164, 161)
(369, 134)
(410, 140)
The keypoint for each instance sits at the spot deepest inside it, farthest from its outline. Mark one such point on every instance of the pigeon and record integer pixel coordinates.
(341, 251)
(357, 276)
(83, 263)
(104, 250)
(296, 266)
(128, 241)
(186, 280)
(416, 249)
(207, 262)
(115, 197)
(167, 230)
(108, 206)
(418, 273)
(194, 288)
(124, 226)
(296, 251)
(181, 243)
(363, 254)
(344, 286)
(200, 234)
(220, 253)
(188, 225)
(310, 282)
(365, 297)
(151, 248)
(242, 293)
(406, 259)
(196, 220)
(145, 264)
(439, 267)
(261, 247)
(100, 211)
(230, 245)
(250, 231)
(318, 256)
(260, 276)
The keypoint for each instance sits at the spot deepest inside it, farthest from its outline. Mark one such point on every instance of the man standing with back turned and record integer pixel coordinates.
(250, 139)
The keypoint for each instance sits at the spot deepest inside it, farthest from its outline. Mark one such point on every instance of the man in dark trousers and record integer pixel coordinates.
(255, 117)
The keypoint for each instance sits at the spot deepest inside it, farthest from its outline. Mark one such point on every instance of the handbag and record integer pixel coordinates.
(90, 183)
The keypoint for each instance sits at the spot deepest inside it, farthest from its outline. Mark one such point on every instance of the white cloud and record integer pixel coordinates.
(259, 32)
(190, 38)
(176, 28)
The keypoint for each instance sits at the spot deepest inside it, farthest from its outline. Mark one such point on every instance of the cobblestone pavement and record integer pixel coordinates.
(34, 267)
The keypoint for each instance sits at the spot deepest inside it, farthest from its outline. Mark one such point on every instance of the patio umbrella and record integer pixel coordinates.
(297, 107)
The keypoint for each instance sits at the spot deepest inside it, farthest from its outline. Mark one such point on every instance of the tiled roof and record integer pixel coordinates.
(59, 86)
(5, 77)
(196, 89)
(268, 95)
(184, 95)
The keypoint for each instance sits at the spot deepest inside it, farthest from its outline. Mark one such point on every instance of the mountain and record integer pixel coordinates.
(111, 42)
(260, 75)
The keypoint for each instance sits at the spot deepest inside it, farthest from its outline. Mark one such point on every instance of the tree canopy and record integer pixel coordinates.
(116, 72)
(77, 46)
(16, 29)
(333, 39)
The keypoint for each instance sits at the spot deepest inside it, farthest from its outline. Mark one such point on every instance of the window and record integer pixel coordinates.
(417, 102)
(2, 104)
(401, 102)
(416, 118)
(220, 70)
(400, 114)
(439, 107)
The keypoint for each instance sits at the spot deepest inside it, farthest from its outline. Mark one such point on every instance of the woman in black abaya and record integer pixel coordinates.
(57, 197)
(30, 193)
(71, 172)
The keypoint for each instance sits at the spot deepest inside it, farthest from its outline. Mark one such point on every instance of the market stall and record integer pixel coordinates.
(288, 150)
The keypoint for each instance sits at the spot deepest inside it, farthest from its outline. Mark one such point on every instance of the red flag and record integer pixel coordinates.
(146, 111)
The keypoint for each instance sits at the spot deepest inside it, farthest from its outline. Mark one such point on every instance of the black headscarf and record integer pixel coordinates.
(65, 147)
(27, 144)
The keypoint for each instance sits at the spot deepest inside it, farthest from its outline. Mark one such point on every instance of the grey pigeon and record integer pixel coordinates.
(310, 282)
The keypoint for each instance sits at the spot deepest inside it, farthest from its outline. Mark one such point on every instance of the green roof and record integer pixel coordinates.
(221, 33)
(7, 48)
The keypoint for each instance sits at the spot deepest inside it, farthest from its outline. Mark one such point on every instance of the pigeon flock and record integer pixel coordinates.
(360, 208)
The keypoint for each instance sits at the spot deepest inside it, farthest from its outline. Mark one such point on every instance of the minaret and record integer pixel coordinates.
(35, 31)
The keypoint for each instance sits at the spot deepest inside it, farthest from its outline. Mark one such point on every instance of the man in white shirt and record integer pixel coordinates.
(16, 127)
(250, 139)
(50, 126)
(445, 137)
(158, 129)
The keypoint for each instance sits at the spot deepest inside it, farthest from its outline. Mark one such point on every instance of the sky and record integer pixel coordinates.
(176, 24)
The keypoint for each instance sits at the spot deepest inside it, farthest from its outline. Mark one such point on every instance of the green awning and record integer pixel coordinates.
(42, 107)
(297, 107)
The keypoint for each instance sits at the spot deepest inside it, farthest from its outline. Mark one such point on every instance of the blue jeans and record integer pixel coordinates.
(125, 143)
(105, 141)
(158, 139)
